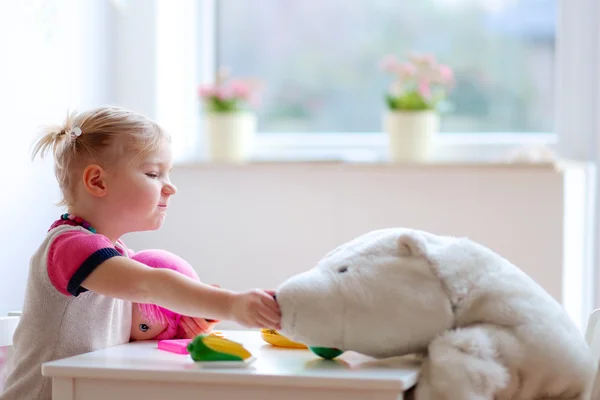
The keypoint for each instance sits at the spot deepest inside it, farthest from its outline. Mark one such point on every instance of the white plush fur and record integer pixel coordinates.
(487, 330)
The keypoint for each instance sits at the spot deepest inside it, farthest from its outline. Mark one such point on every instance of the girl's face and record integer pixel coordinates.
(140, 190)
(141, 328)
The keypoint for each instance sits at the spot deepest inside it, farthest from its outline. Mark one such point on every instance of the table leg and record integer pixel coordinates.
(62, 388)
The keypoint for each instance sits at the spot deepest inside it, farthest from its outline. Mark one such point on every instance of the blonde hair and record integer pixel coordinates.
(100, 135)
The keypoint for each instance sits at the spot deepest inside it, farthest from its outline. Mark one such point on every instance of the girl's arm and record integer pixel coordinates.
(126, 279)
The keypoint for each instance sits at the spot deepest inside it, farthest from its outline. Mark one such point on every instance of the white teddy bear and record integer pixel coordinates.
(486, 330)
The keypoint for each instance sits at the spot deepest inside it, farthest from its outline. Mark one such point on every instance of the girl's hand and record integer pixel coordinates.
(196, 326)
(256, 309)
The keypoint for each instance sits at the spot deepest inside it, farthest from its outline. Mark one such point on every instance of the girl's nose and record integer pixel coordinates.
(170, 189)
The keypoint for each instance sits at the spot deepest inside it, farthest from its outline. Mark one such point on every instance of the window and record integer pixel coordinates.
(539, 89)
(319, 60)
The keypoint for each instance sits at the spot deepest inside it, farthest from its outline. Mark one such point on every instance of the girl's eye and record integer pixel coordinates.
(152, 175)
(144, 327)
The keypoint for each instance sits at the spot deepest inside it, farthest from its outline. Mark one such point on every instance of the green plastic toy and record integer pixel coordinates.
(327, 353)
(213, 348)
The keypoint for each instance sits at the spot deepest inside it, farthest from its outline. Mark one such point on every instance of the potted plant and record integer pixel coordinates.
(419, 87)
(229, 126)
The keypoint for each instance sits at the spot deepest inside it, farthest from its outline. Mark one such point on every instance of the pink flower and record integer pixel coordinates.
(406, 70)
(240, 89)
(424, 89)
(206, 91)
(222, 93)
(232, 91)
(388, 63)
(429, 59)
(445, 76)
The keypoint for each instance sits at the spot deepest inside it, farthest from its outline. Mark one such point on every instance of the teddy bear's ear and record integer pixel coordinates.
(411, 244)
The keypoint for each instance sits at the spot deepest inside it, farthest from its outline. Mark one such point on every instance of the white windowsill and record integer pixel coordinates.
(481, 149)
(378, 139)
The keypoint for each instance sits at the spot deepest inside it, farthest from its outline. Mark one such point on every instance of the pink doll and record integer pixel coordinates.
(149, 321)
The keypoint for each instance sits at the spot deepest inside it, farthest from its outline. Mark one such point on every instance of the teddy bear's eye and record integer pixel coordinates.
(342, 269)
(144, 327)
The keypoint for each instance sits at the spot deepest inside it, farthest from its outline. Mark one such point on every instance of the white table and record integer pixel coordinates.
(140, 371)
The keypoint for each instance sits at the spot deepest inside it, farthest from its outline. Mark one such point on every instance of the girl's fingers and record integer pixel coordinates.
(270, 311)
(202, 324)
(264, 323)
(211, 326)
(270, 302)
(272, 320)
(188, 332)
(191, 325)
(197, 325)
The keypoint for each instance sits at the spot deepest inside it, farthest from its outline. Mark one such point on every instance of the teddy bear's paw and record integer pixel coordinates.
(462, 364)
(473, 341)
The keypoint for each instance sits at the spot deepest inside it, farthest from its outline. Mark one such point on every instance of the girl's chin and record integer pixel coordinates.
(151, 222)
(159, 222)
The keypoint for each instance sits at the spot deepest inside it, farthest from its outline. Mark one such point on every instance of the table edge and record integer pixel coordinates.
(214, 377)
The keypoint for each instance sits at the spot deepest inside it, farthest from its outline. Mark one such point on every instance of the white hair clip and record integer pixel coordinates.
(76, 131)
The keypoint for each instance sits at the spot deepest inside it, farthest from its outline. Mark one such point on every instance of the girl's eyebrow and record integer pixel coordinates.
(154, 162)
(159, 163)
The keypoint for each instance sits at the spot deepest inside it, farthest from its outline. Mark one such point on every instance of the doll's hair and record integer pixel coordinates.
(157, 258)
(100, 135)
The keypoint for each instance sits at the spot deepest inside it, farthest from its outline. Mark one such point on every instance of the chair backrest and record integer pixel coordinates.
(7, 330)
(592, 337)
(592, 334)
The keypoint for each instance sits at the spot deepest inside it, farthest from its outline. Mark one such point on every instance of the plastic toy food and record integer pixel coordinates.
(327, 353)
(179, 346)
(215, 348)
(274, 338)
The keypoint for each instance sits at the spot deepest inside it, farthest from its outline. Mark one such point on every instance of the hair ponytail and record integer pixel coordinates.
(55, 138)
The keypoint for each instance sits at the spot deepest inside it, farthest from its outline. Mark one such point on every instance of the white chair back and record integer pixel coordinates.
(592, 334)
(7, 330)
(592, 337)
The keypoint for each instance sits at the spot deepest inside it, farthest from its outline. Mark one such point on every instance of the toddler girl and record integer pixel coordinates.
(112, 166)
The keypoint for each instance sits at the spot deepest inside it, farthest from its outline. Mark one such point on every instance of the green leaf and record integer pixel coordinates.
(391, 101)
(409, 101)
(215, 104)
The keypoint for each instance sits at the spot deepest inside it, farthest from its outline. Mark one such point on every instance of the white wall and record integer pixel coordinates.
(55, 56)
(255, 225)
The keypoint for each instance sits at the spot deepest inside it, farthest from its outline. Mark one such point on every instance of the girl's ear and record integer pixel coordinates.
(94, 180)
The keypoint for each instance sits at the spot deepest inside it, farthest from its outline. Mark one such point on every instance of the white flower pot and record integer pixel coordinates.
(229, 136)
(410, 134)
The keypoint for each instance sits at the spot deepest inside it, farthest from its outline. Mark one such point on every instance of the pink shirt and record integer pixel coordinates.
(73, 255)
